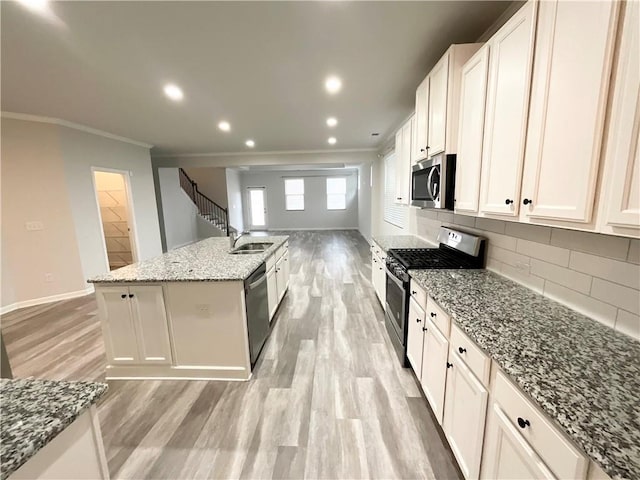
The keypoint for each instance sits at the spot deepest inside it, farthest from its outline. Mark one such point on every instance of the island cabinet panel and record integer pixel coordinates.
(149, 314)
(209, 327)
(272, 291)
(280, 278)
(118, 326)
(286, 269)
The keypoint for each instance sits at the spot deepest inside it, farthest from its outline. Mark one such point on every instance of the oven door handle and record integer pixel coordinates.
(395, 280)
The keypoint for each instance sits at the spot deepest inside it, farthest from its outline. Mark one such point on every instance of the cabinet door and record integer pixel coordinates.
(150, 317)
(438, 83)
(434, 368)
(465, 412)
(507, 455)
(422, 120)
(473, 93)
(624, 144)
(572, 66)
(403, 163)
(280, 279)
(382, 282)
(286, 268)
(510, 60)
(272, 291)
(117, 325)
(415, 336)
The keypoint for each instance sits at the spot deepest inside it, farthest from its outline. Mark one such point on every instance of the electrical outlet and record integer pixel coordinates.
(48, 277)
(522, 266)
(34, 226)
(204, 309)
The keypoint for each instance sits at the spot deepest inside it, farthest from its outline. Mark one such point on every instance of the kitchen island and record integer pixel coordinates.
(50, 430)
(183, 314)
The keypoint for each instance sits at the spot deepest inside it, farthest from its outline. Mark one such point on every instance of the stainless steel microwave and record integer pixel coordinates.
(432, 182)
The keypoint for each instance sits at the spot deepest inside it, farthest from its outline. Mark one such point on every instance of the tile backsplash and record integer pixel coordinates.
(598, 275)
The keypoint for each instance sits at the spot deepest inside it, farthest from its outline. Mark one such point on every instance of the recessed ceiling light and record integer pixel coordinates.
(173, 92)
(36, 5)
(250, 143)
(332, 140)
(224, 126)
(332, 121)
(333, 84)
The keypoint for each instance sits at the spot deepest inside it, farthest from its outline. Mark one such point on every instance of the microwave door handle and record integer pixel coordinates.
(433, 197)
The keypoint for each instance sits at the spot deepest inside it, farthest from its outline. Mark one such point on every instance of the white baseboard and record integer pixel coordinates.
(42, 300)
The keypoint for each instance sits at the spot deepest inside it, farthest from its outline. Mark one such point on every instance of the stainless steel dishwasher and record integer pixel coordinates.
(256, 298)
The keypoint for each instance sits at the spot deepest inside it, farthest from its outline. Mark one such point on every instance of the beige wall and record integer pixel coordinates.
(46, 174)
(212, 181)
(34, 190)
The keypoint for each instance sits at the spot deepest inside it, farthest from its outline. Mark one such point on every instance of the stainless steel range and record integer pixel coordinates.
(456, 250)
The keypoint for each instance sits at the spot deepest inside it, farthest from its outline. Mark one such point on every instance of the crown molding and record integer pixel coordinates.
(75, 126)
(265, 153)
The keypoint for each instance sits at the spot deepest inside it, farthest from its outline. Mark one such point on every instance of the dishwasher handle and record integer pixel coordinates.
(257, 282)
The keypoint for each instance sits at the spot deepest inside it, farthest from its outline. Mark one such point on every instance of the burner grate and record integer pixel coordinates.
(431, 258)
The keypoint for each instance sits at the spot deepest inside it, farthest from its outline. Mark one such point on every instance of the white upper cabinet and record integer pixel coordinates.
(570, 84)
(438, 80)
(510, 61)
(403, 163)
(469, 159)
(622, 210)
(421, 125)
(437, 103)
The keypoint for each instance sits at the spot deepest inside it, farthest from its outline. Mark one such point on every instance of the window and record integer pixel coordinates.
(336, 193)
(294, 193)
(393, 213)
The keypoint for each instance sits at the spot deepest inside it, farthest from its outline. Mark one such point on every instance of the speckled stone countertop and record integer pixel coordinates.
(387, 242)
(206, 261)
(584, 375)
(33, 412)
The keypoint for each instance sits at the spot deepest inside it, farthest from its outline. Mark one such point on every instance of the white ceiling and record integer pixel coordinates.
(259, 65)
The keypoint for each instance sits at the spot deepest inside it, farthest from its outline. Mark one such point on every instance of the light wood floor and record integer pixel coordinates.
(328, 398)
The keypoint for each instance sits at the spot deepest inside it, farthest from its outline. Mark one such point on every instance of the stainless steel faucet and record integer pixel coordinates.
(233, 239)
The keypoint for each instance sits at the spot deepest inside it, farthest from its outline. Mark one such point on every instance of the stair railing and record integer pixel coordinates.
(209, 209)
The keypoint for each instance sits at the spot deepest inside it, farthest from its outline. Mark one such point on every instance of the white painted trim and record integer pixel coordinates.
(97, 439)
(75, 126)
(259, 154)
(175, 372)
(42, 300)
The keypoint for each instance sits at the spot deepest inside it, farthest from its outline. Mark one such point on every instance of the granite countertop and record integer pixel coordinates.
(387, 242)
(206, 261)
(33, 412)
(584, 375)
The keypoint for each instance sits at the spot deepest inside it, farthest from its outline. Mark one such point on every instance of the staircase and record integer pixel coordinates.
(208, 209)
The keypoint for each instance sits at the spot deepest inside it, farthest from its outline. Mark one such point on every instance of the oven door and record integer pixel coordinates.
(426, 183)
(396, 301)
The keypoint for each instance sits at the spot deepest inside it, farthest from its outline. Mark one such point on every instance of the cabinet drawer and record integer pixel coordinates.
(471, 354)
(562, 458)
(419, 294)
(438, 316)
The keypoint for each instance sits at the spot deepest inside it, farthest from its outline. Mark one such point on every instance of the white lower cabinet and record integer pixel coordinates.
(379, 274)
(507, 455)
(464, 415)
(134, 324)
(415, 336)
(434, 367)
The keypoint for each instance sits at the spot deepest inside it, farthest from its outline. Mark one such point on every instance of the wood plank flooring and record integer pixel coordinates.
(328, 398)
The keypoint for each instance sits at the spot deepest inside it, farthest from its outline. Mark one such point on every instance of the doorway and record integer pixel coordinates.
(257, 208)
(116, 217)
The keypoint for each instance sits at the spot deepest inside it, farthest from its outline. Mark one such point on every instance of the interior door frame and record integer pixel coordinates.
(133, 231)
(266, 210)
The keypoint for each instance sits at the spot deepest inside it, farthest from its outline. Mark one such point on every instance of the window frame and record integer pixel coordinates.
(290, 195)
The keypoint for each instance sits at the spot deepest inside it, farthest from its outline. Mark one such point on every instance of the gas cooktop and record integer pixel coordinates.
(433, 258)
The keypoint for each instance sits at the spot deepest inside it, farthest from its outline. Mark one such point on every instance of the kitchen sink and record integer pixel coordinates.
(248, 248)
